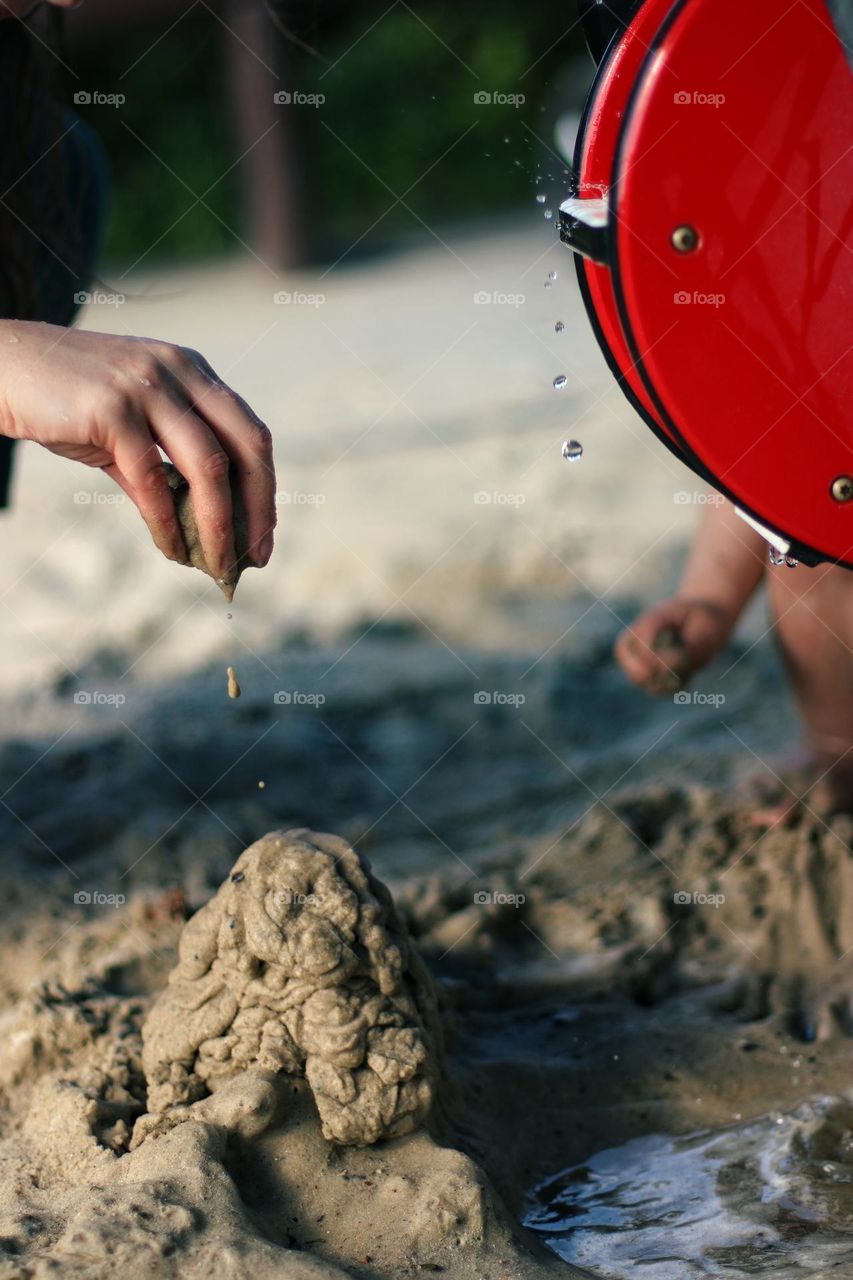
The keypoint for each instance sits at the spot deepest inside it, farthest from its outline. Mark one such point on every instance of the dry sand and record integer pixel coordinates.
(429, 677)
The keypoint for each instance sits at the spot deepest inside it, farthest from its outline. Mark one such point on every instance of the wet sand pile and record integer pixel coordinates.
(298, 965)
(225, 1119)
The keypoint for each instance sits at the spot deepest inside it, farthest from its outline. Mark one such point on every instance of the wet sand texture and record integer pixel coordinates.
(299, 964)
(186, 515)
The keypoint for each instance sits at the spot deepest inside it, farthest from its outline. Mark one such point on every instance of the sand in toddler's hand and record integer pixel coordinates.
(234, 689)
(669, 645)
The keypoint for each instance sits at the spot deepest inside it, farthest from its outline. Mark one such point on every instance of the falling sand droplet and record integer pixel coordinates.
(233, 687)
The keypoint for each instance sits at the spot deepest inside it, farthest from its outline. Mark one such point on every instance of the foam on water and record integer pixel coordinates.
(772, 1197)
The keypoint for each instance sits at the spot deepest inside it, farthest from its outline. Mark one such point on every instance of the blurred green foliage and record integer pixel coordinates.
(170, 139)
(400, 120)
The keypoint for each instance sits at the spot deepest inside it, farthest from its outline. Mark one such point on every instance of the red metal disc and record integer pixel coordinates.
(740, 129)
(597, 144)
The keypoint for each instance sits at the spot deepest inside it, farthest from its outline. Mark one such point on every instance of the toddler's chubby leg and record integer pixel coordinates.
(668, 643)
(812, 612)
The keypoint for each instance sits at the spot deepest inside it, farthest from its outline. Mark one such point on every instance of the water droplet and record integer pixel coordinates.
(559, 327)
(549, 213)
(776, 557)
(145, 382)
(229, 615)
(560, 381)
(572, 450)
(506, 139)
(13, 338)
(549, 284)
(791, 562)
(261, 786)
(552, 275)
(540, 195)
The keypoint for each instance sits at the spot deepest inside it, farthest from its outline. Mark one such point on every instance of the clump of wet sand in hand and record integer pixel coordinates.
(234, 689)
(299, 964)
(669, 646)
(186, 516)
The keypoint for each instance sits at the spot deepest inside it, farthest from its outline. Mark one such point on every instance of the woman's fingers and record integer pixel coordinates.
(138, 469)
(201, 459)
(248, 443)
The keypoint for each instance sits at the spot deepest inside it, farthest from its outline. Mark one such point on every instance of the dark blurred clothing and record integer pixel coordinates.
(72, 171)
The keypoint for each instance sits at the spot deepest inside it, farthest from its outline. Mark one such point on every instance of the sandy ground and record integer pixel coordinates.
(426, 672)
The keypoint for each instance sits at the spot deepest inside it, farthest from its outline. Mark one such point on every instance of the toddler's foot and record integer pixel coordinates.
(819, 783)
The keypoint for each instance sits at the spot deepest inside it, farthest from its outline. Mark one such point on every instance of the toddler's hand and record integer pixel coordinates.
(670, 642)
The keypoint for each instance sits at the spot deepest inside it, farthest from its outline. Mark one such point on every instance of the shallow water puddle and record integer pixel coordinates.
(771, 1197)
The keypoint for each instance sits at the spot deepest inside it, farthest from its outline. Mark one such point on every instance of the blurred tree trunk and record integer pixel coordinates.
(266, 134)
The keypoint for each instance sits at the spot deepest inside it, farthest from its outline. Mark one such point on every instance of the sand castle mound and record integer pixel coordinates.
(300, 965)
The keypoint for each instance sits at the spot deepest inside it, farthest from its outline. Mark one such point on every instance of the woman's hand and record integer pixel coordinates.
(109, 402)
